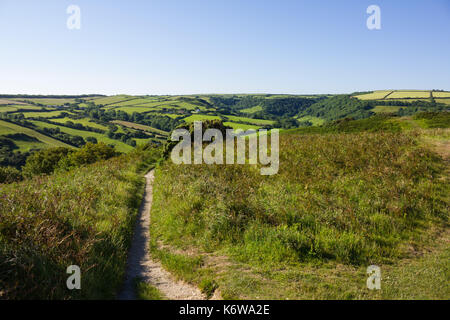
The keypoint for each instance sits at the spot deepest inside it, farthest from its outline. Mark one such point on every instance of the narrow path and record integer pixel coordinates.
(140, 264)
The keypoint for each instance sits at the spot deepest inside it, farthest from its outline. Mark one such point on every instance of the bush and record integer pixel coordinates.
(44, 161)
(90, 153)
(9, 175)
(434, 119)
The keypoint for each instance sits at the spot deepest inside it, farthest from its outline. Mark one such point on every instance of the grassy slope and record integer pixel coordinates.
(120, 146)
(250, 120)
(140, 127)
(10, 128)
(339, 203)
(84, 217)
(85, 122)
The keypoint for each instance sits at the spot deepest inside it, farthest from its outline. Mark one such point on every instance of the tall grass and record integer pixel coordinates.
(350, 198)
(82, 217)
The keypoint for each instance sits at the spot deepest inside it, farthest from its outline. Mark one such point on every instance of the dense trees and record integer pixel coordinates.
(339, 107)
(286, 106)
(48, 160)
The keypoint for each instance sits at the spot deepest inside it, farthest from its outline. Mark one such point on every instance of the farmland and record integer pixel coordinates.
(306, 233)
(85, 134)
(140, 127)
(44, 141)
(125, 121)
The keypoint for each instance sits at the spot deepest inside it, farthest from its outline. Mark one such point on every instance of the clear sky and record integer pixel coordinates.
(223, 46)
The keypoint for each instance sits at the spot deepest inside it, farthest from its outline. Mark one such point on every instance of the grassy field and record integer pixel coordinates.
(374, 95)
(120, 146)
(83, 217)
(438, 94)
(242, 126)
(314, 120)
(339, 203)
(386, 109)
(250, 120)
(49, 102)
(112, 99)
(409, 94)
(131, 109)
(49, 114)
(132, 102)
(10, 128)
(200, 117)
(252, 109)
(402, 94)
(446, 101)
(10, 108)
(85, 122)
(9, 102)
(140, 127)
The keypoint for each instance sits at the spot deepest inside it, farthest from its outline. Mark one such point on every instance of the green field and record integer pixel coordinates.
(200, 117)
(140, 127)
(242, 126)
(250, 120)
(132, 102)
(11, 108)
(388, 109)
(49, 102)
(112, 99)
(314, 120)
(10, 128)
(85, 122)
(131, 109)
(252, 109)
(120, 146)
(49, 114)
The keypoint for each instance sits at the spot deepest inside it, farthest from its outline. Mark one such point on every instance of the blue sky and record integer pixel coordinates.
(226, 46)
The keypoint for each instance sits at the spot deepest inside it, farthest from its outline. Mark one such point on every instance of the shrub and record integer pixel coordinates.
(44, 161)
(9, 175)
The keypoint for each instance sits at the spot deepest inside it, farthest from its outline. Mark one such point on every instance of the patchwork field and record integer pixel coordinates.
(112, 99)
(314, 120)
(250, 120)
(388, 109)
(120, 146)
(50, 114)
(438, 94)
(140, 127)
(200, 117)
(46, 141)
(46, 101)
(375, 95)
(251, 110)
(84, 122)
(410, 94)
